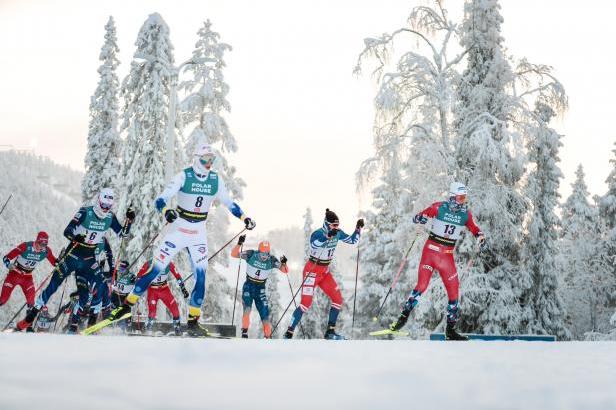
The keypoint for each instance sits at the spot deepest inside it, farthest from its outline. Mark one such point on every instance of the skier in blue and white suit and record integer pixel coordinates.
(195, 188)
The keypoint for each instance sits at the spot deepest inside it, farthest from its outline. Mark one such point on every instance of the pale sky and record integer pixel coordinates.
(302, 120)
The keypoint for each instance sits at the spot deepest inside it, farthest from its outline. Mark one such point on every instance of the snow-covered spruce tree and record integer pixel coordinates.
(607, 203)
(583, 265)
(146, 94)
(540, 251)
(273, 298)
(102, 162)
(489, 162)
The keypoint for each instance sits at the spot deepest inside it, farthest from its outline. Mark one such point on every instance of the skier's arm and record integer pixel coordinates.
(350, 239)
(172, 188)
(281, 264)
(14, 253)
(108, 253)
(429, 212)
(144, 269)
(50, 257)
(474, 229)
(117, 227)
(317, 239)
(174, 272)
(69, 231)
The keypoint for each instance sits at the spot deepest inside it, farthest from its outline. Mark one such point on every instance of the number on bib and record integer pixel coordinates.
(450, 229)
(199, 202)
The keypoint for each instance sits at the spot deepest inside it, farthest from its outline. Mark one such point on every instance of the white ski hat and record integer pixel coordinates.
(457, 188)
(203, 150)
(104, 202)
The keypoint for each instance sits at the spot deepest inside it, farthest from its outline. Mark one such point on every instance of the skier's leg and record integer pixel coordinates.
(152, 298)
(167, 298)
(246, 307)
(198, 256)
(310, 276)
(83, 290)
(263, 308)
(7, 287)
(331, 289)
(27, 287)
(424, 274)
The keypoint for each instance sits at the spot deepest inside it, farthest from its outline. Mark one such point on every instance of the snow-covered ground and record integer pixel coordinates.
(73, 372)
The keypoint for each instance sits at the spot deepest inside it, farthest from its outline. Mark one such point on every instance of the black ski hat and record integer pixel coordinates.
(331, 217)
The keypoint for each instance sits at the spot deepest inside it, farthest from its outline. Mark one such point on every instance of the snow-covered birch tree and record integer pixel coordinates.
(102, 162)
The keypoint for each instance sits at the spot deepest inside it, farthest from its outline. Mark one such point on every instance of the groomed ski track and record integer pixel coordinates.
(113, 372)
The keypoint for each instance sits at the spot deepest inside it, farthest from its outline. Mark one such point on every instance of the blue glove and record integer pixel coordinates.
(7, 261)
(420, 219)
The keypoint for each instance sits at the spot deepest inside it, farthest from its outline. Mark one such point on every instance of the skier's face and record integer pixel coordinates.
(207, 160)
(264, 256)
(460, 199)
(41, 244)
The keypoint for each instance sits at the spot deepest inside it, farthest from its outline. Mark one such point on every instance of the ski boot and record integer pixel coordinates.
(149, 324)
(330, 334)
(92, 319)
(177, 329)
(451, 334)
(289, 333)
(119, 312)
(398, 324)
(244, 333)
(26, 323)
(106, 312)
(194, 328)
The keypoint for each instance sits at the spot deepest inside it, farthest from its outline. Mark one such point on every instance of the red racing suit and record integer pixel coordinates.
(159, 290)
(25, 257)
(438, 251)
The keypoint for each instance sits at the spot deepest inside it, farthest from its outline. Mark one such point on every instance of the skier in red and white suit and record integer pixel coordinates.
(21, 261)
(159, 290)
(449, 219)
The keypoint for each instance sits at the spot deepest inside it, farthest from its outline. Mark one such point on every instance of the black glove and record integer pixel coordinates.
(241, 240)
(483, 245)
(250, 224)
(283, 260)
(7, 261)
(171, 215)
(81, 238)
(130, 214)
(420, 219)
(360, 224)
(183, 289)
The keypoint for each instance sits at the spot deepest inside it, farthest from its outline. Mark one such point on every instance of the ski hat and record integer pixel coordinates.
(42, 239)
(204, 158)
(331, 217)
(104, 202)
(457, 188)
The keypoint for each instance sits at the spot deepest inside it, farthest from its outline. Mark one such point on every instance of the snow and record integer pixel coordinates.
(74, 372)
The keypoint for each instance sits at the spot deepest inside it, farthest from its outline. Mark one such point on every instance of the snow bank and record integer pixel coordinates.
(73, 372)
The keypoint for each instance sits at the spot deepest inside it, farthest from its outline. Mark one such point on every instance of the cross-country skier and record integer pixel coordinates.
(195, 188)
(124, 284)
(259, 265)
(85, 231)
(448, 221)
(323, 244)
(159, 290)
(21, 261)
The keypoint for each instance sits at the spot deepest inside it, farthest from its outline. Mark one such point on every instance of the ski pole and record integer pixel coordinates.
(301, 329)
(355, 292)
(237, 283)
(290, 303)
(4, 206)
(393, 284)
(145, 248)
(42, 283)
(218, 251)
(60, 310)
(119, 258)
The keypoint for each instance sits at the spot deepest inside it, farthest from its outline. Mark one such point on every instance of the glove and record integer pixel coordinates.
(360, 224)
(171, 215)
(250, 224)
(420, 219)
(81, 238)
(130, 214)
(183, 289)
(483, 245)
(7, 261)
(241, 240)
(283, 260)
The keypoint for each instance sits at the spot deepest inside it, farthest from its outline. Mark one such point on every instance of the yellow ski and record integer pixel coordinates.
(103, 323)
